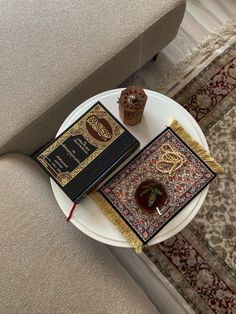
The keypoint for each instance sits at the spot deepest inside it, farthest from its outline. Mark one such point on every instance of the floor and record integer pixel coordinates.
(202, 17)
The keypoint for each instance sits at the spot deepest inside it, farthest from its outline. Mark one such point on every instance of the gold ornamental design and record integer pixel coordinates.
(97, 127)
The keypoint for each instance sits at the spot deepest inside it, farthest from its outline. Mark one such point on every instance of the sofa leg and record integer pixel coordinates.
(155, 57)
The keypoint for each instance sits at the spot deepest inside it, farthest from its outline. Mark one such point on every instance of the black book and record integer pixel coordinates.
(82, 156)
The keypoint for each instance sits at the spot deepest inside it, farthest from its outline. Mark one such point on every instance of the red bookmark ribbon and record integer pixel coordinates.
(71, 212)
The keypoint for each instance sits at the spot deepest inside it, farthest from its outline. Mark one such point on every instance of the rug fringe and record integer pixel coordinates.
(111, 214)
(196, 147)
(178, 75)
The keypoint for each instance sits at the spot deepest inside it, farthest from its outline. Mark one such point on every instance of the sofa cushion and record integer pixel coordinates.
(49, 48)
(48, 266)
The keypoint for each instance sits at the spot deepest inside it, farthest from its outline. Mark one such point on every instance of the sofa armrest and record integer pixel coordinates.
(48, 266)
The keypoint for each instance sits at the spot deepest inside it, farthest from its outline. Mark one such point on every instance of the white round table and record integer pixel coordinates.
(159, 109)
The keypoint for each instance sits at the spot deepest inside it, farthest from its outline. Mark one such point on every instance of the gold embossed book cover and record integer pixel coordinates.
(86, 152)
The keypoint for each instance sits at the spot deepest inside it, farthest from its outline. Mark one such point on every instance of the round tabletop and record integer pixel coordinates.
(158, 112)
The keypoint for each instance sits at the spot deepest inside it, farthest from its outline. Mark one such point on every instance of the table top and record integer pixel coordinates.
(158, 112)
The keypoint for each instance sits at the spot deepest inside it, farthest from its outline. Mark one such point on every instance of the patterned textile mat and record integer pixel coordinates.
(200, 261)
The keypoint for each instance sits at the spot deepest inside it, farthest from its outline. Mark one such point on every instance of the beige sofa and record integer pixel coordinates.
(55, 54)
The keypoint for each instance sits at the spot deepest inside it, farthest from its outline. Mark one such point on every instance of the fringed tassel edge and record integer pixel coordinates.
(196, 147)
(111, 214)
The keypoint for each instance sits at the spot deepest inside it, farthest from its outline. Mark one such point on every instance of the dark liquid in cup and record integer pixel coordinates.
(149, 195)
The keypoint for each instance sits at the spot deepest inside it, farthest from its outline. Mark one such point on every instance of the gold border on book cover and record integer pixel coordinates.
(98, 128)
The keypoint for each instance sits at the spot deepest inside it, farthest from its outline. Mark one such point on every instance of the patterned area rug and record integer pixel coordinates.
(200, 261)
